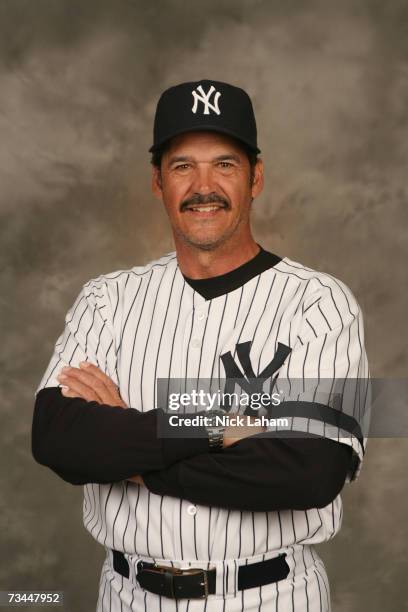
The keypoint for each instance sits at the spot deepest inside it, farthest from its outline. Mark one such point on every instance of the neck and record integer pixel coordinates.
(198, 263)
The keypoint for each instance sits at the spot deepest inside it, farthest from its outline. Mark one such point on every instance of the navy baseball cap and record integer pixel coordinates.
(205, 105)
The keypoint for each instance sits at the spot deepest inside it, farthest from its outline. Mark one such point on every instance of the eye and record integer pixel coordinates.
(225, 164)
(182, 166)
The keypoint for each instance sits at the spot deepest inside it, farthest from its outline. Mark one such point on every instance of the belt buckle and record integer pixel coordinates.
(198, 570)
(177, 571)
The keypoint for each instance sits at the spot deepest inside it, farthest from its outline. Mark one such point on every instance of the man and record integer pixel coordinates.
(212, 518)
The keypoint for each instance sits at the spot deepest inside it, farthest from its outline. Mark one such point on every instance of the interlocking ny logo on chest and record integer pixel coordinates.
(252, 381)
(199, 95)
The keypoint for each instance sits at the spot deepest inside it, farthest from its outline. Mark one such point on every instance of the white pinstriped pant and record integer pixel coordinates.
(306, 589)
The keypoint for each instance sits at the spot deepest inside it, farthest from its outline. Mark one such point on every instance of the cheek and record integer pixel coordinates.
(238, 196)
(173, 195)
(237, 188)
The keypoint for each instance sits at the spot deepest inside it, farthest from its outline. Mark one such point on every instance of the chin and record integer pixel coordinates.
(204, 243)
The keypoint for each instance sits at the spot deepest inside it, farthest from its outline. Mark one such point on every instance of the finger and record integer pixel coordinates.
(90, 368)
(110, 391)
(84, 379)
(79, 388)
(112, 394)
(66, 392)
(102, 384)
(106, 394)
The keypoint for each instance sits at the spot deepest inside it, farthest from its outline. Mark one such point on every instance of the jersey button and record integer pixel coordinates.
(201, 315)
(192, 510)
(195, 343)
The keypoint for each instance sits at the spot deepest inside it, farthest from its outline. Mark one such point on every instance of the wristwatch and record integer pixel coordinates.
(215, 431)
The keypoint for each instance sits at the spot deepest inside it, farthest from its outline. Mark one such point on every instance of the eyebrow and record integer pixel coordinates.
(186, 158)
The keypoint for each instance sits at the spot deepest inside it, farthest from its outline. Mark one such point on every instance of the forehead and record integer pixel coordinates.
(195, 143)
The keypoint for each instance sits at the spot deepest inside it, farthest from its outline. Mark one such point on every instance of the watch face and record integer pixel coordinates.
(215, 424)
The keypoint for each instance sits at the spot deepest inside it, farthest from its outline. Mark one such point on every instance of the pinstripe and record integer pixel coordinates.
(148, 334)
(282, 312)
(127, 316)
(127, 520)
(147, 530)
(273, 320)
(216, 347)
(121, 589)
(323, 315)
(181, 528)
(311, 327)
(325, 586)
(98, 518)
(99, 342)
(306, 572)
(293, 583)
(95, 507)
(239, 306)
(136, 524)
(168, 373)
(320, 591)
(161, 528)
(209, 534)
(202, 344)
(92, 505)
(106, 503)
(134, 344)
(162, 331)
(104, 586)
(189, 340)
(195, 537)
(116, 516)
(247, 315)
(264, 310)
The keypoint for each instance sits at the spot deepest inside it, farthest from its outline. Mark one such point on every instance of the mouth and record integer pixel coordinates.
(205, 209)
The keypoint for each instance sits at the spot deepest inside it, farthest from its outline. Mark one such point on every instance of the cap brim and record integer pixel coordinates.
(204, 128)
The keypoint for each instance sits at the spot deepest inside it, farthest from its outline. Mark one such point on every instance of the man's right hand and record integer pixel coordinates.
(88, 382)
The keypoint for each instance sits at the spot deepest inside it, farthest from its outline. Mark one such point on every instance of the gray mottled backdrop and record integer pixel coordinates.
(78, 85)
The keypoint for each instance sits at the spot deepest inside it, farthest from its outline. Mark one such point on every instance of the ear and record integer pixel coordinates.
(258, 182)
(157, 182)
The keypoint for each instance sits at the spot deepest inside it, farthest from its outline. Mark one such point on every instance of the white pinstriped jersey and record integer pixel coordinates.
(146, 323)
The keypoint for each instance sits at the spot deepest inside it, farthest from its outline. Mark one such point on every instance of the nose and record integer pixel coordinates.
(203, 178)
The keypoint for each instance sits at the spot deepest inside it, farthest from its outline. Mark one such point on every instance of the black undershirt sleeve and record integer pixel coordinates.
(90, 442)
(86, 442)
(259, 473)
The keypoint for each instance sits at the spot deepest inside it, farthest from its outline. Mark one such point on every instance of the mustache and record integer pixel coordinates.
(198, 198)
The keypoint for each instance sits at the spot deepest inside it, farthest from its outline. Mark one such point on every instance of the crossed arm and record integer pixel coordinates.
(85, 433)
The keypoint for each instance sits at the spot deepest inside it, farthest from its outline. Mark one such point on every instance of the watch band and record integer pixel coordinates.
(215, 431)
(215, 439)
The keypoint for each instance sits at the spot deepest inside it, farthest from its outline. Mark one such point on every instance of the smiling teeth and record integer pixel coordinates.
(205, 208)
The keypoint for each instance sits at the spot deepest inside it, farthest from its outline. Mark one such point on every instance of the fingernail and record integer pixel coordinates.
(64, 389)
(85, 364)
(65, 369)
(61, 377)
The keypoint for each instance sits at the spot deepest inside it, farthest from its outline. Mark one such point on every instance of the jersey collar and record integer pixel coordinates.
(215, 286)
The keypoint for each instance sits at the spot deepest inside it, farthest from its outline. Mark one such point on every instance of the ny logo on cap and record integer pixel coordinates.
(203, 97)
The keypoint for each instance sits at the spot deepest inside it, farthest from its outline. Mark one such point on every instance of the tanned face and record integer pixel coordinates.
(205, 184)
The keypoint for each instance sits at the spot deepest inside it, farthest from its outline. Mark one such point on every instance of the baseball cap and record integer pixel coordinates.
(205, 105)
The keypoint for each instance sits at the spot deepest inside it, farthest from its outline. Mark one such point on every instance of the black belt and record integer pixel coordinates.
(196, 582)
